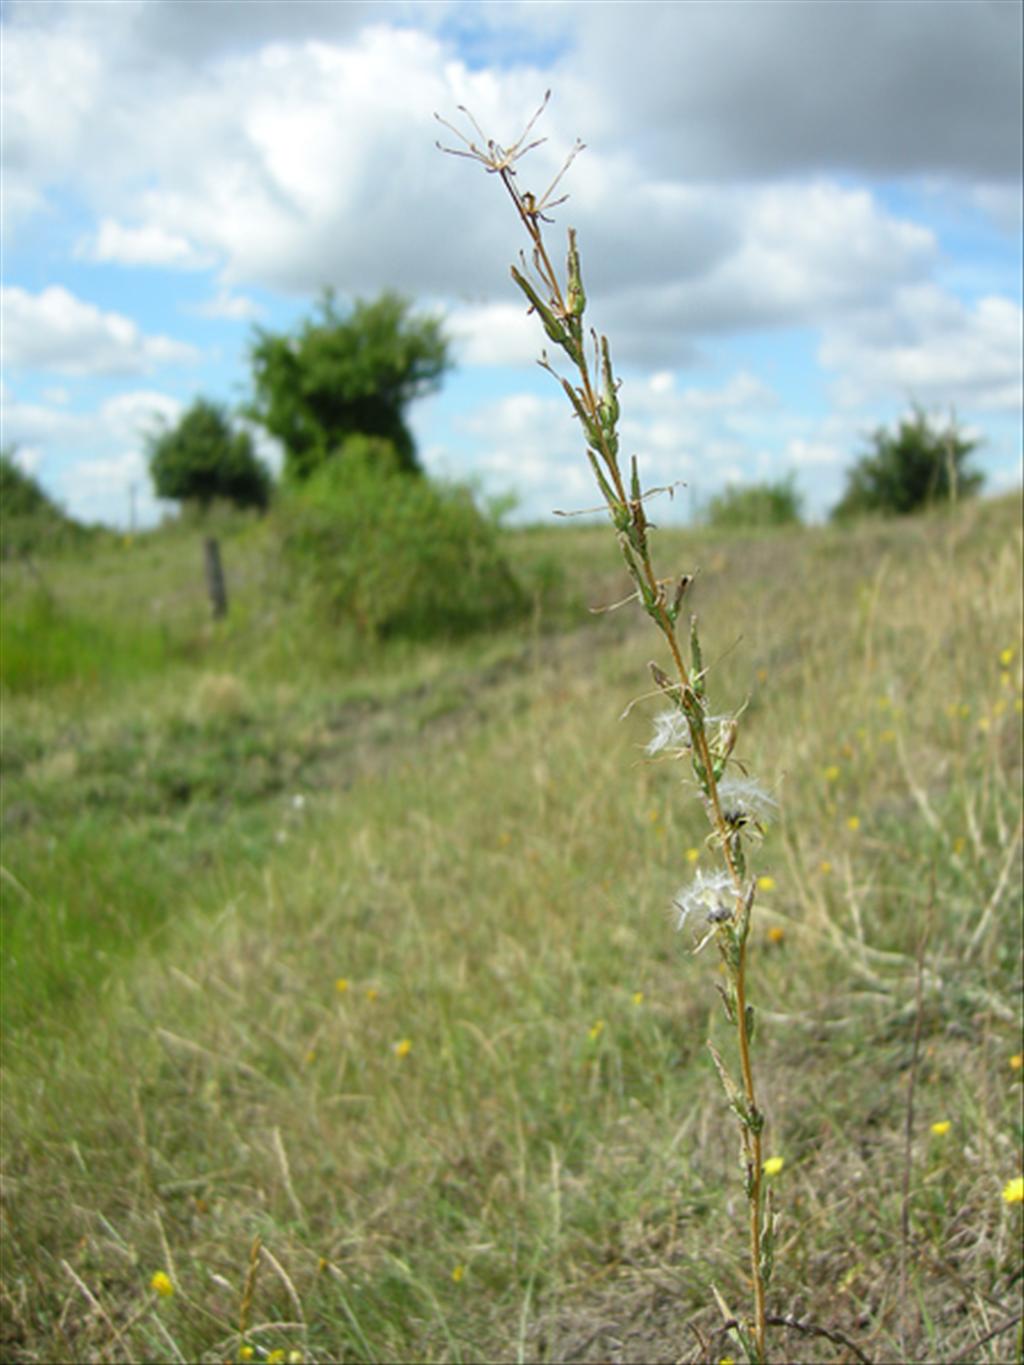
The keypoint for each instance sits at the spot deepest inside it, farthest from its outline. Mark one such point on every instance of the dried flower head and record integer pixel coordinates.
(711, 895)
(745, 804)
(501, 161)
(671, 732)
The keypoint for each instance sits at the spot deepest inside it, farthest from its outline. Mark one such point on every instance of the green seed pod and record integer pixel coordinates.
(609, 388)
(696, 658)
(552, 326)
(728, 1001)
(576, 301)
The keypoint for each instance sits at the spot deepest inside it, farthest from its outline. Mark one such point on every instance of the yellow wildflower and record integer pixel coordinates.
(776, 933)
(831, 773)
(403, 1048)
(853, 823)
(766, 883)
(276, 1357)
(638, 997)
(692, 854)
(774, 1165)
(245, 1353)
(310, 1056)
(1006, 656)
(824, 867)
(341, 985)
(295, 1358)
(161, 1282)
(1013, 1190)
(941, 1128)
(458, 1272)
(372, 995)
(959, 844)
(595, 1030)
(1017, 1060)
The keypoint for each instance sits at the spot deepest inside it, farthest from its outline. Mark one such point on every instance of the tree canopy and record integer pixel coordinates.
(346, 374)
(30, 520)
(202, 458)
(907, 469)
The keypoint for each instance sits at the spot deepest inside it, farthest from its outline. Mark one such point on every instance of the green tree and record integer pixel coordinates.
(30, 520)
(345, 375)
(910, 468)
(201, 458)
(20, 494)
(758, 504)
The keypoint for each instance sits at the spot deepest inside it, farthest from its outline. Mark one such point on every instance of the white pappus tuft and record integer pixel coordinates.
(744, 802)
(710, 895)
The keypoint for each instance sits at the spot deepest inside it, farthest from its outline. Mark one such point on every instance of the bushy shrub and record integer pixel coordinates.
(756, 505)
(30, 521)
(395, 553)
(913, 467)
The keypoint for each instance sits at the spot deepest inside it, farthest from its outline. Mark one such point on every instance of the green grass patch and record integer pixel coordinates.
(429, 1034)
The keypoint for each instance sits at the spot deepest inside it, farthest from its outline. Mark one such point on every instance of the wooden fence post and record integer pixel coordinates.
(215, 584)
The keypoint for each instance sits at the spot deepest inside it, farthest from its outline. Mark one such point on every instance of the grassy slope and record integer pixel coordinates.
(483, 856)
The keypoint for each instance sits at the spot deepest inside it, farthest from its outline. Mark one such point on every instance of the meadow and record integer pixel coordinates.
(345, 1017)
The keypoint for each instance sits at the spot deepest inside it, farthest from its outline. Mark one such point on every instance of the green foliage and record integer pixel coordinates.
(757, 505)
(201, 459)
(396, 555)
(341, 376)
(910, 468)
(30, 521)
(42, 643)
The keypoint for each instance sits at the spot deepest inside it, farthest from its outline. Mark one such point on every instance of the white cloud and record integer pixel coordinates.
(234, 307)
(55, 331)
(680, 434)
(71, 451)
(809, 454)
(147, 245)
(495, 334)
(930, 346)
(107, 487)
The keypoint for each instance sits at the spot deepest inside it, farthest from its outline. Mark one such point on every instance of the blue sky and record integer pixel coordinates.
(796, 219)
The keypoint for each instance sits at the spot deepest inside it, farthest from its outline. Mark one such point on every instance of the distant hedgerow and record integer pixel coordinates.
(756, 505)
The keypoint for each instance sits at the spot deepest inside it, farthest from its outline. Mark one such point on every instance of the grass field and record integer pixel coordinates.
(367, 953)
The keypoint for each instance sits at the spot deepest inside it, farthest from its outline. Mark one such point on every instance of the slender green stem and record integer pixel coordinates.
(628, 512)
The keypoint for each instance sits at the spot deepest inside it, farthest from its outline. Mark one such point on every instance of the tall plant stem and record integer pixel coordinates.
(586, 401)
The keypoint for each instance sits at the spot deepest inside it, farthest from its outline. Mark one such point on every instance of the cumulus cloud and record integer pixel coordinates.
(726, 192)
(932, 347)
(681, 432)
(768, 90)
(55, 331)
(148, 245)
